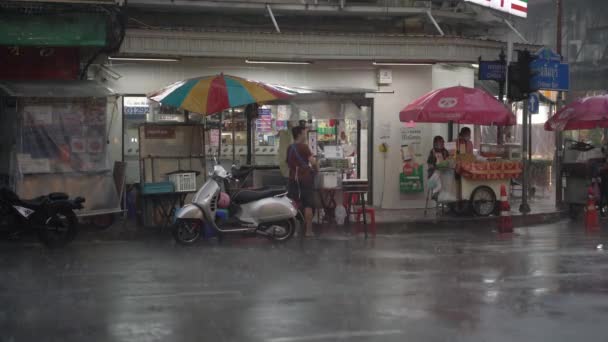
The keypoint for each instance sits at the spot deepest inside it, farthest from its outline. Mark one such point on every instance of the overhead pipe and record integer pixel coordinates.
(274, 20)
(521, 36)
(428, 13)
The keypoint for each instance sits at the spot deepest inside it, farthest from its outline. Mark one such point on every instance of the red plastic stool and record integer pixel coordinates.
(353, 200)
(371, 212)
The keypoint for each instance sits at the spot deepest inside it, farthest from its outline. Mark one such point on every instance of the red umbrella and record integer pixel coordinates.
(460, 105)
(586, 113)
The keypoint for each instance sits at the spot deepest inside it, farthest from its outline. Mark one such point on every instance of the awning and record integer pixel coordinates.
(66, 29)
(54, 89)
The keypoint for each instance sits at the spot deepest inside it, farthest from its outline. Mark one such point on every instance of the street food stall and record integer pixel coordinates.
(583, 161)
(173, 157)
(54, 138)
(467, 180)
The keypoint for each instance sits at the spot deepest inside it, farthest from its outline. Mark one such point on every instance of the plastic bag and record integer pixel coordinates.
(449, 187)
(340, 213)
(435, 183)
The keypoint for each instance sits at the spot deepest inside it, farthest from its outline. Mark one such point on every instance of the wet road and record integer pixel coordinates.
(543, 284)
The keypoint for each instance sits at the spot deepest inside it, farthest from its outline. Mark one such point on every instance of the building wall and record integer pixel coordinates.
(409, 82)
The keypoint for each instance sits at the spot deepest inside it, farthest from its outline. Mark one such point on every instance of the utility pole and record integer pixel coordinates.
(524, 206)
(558, 134)
(501, 95)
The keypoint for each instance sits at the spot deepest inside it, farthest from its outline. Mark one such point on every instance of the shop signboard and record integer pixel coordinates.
(411, 177)
(515, 7)
(20, 63)
(136, 107)
(159, 132)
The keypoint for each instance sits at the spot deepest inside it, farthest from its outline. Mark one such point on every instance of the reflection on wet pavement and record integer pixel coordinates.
(544, 283)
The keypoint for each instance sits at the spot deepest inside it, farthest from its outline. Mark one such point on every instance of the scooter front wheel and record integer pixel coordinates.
(187, 232)
(59, 228)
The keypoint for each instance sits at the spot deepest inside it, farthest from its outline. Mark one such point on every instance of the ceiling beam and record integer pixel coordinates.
(295, 8)
(287, 46)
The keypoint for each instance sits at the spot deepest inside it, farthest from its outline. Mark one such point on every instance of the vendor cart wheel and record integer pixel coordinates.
(102, 222)
(483, 201)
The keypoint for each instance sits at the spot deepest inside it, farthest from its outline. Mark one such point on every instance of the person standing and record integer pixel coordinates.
(437, 155)
(465, 146)
(285, 140)
(302, 166)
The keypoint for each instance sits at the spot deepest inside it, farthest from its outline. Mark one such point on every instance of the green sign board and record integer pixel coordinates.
(413, 182)
(73, 29)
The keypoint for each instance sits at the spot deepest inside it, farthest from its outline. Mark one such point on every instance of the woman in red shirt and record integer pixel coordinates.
(302, 166)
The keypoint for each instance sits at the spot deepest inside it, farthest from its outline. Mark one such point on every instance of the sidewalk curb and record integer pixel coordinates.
(481, 223)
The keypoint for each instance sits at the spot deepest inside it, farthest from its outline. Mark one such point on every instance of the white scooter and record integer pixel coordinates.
(265, 211)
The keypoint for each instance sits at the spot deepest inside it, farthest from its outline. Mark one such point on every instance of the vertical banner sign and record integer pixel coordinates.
(411, 177)
(264, 121)
(514, 7)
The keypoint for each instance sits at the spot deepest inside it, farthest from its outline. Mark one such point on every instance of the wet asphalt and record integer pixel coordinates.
(547, 283)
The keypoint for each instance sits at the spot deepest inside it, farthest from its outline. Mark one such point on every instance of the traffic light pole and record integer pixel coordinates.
(525, 207)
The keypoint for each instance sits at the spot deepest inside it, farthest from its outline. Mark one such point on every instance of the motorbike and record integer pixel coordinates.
(264, 211)
(52, 216)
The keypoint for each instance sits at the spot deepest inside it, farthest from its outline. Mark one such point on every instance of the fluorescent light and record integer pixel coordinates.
(248, 61)
(399, 64)
(144, 59)
(475, 66)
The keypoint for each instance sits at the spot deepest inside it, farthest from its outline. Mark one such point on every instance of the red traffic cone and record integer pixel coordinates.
(505, 223)
(592, 219)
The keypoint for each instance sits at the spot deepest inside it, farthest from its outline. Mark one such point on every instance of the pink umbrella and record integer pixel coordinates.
(460, 105)
(586, 113)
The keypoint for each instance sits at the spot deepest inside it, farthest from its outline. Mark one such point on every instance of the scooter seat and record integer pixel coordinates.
(58, 196)
(250, 195)
(35, 202)
(242, 172)
(38, 201)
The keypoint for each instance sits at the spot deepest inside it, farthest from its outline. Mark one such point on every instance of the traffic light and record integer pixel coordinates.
(520, 76)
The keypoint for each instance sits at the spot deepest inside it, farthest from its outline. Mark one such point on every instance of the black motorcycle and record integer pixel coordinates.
(51, 217)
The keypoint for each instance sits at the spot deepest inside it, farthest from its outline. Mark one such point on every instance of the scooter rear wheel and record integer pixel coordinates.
(281, 231)
(186, 232)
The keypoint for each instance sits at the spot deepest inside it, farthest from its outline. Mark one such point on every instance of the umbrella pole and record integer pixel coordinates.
(233, 137)
(219, 143)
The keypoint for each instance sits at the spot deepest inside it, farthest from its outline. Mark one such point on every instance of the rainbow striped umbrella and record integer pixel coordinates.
(213, 94)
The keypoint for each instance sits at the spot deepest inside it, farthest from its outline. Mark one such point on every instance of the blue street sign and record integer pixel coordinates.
(551, 73)
(492, 71)
(534, 103)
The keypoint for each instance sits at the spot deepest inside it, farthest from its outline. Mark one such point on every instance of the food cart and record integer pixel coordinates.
(466, 180)
(582, 162)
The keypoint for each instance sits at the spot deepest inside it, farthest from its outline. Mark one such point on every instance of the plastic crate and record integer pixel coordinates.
(184, 182)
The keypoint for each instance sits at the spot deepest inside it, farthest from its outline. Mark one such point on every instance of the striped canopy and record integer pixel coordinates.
(213, 94)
